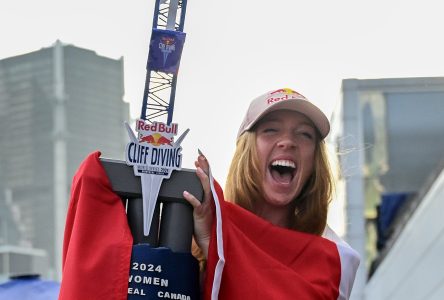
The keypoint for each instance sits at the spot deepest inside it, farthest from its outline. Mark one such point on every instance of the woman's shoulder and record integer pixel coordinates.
(342, 245)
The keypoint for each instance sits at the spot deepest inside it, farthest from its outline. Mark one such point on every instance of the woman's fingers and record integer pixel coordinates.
(202, 171)
(203, 163)
(191, 199)
(204, 179)
(202, 211)
(203, 217)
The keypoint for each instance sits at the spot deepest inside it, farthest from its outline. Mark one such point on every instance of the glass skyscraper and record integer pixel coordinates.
(57, 105)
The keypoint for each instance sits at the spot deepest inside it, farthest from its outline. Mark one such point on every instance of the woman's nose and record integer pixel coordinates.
(287, 140)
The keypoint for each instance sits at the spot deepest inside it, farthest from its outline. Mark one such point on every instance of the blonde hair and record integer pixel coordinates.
(243, 186)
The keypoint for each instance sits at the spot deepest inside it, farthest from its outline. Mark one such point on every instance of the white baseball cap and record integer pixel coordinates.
(286, 99)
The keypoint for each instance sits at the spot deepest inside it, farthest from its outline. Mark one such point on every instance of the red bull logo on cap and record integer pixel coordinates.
(283, 94)
(285, 91)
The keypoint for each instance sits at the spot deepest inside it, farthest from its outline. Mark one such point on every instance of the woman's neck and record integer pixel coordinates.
(277, 215)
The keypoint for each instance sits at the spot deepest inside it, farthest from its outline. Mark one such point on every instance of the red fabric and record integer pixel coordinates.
(97, 243)
(263, 261)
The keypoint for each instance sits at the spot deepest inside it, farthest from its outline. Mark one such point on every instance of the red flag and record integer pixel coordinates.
(97, 243)
(250, 258)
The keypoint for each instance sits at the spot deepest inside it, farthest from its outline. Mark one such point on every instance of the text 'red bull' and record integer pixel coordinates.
(271, 100)
(276, 99)
(141, 125)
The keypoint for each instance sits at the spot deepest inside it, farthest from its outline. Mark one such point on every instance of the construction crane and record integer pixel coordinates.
(160, 83)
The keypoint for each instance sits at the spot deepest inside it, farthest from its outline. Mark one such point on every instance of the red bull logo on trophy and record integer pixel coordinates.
(154, 151)
(156, 133)
(155, 139)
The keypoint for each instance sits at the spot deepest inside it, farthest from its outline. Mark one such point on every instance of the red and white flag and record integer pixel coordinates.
(250, 258)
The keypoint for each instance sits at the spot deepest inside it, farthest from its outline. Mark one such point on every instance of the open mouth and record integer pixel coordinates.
(283, 171)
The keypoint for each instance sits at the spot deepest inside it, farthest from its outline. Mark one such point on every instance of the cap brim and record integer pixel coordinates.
(299, 105)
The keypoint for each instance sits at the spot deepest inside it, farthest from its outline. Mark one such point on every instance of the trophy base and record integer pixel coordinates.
(159, 273)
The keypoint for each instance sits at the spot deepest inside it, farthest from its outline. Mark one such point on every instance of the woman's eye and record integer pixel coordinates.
(270, 129)
(307, 135)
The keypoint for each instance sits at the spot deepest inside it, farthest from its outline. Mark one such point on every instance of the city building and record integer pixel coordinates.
(57, 105)
(389, 135)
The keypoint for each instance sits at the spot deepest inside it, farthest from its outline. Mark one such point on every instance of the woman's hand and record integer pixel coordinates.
(203, 212)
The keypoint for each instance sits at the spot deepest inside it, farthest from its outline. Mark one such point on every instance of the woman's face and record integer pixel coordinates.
(286, 142)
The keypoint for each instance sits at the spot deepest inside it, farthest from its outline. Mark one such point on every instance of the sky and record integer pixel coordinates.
(236, 50)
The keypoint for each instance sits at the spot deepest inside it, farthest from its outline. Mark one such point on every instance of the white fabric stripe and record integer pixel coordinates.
(349, 263)
(220, 243)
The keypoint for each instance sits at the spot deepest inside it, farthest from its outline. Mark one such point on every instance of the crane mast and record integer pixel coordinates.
(160, 83)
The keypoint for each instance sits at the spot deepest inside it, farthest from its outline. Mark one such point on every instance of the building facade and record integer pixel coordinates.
(57, 105)
(389, 134)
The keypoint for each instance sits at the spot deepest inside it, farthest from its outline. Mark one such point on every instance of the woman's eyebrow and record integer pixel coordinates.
(308, 123)
(270, 119)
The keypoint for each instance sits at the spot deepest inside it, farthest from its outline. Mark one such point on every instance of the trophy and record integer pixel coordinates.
(160, 219)
(99, 261)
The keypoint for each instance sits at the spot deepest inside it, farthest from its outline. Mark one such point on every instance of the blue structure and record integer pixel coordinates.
(160, 84)
(29, 288)
(387, 212)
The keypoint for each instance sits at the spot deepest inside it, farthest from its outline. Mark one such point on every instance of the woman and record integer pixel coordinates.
(280, 173)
